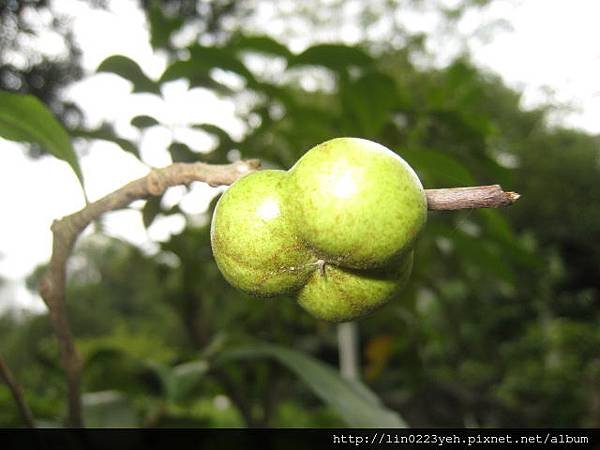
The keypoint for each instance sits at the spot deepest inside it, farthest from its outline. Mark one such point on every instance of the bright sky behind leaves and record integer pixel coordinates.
(549, 51)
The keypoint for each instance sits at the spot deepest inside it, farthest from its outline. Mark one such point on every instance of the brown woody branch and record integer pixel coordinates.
(451, 199)
(8, 378)
(66, 230)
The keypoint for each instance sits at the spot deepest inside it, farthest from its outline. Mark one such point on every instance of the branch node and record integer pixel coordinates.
(252, 164)
(156, 182)
(55, 225)
(45, 288)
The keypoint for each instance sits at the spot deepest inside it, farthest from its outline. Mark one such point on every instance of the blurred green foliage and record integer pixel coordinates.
(498, 327)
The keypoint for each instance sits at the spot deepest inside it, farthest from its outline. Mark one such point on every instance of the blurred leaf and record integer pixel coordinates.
(131, 71)
(182, 153)
(196, 73)
(370, 99)
(333, 56)
(261, 44)
(106, 133)
(180, 381)
(355, 403)
(482, 255)
(186, 378)
(112, 368)
(497, 224)
(225, 139)
(23, 118)
(108, 409)
(144, 122)
(438, 167)
(202, 61)
(282, 93)
(161, 26)
(378, 352)
(151, 209)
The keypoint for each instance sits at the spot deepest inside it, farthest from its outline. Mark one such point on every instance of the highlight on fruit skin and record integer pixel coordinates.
(253, 240)
(337, 230)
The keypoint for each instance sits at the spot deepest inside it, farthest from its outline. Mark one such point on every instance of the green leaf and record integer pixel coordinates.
(370, 100)
(186, 377)
(108, 409)
(144, 122)
(438, 168)
(355, 403)
(196, 73)
(221, 58)
(182, 153)
(150, 210)
(482, 254)
(106, 133)
(260, 44)
(497, 225)
(161, 26)
(131, 71)
(223, 136)
(202, 61)
(179, 382)
(333, 56)
(23, 118)
(498, 228)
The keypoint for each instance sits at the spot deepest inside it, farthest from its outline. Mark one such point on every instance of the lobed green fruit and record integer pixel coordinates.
(253, 238)
(337, 230)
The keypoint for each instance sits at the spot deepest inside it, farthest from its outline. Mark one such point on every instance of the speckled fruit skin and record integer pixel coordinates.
(343, 294)
(337, 230)
(253, 241)
(356, 203)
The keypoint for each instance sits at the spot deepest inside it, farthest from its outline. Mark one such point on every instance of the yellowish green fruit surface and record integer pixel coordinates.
(356, 202)
(337, 230)
(340, 295)
(253, 240)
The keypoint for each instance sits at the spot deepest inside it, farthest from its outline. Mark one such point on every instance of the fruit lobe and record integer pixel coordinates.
(340, 294)
(253, 240)
(356, 202)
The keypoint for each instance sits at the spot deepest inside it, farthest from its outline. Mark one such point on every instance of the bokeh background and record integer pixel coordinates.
(499, 324)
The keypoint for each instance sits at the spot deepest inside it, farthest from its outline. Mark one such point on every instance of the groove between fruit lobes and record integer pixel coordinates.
(343, 294)
(349, 202)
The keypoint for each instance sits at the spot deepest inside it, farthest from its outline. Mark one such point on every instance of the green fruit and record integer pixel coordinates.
(253, 239)
(340, 294)
(337, 230)
(356, 202)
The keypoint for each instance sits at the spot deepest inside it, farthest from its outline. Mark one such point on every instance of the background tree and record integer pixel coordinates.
(497, 327)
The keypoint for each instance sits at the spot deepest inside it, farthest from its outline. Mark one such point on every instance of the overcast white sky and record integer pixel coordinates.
(552, 47)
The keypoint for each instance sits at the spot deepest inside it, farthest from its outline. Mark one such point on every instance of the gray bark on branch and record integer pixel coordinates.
(451, 199)
(17, 394)
(66, 231)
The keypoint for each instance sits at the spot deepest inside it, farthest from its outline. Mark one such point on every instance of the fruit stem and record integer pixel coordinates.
(321, 265)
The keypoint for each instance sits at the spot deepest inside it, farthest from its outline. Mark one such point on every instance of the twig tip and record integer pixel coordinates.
(513, 196)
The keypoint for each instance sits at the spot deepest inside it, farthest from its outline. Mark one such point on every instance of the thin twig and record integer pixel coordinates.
(66, 231)
(451, 199)
(17, 393)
